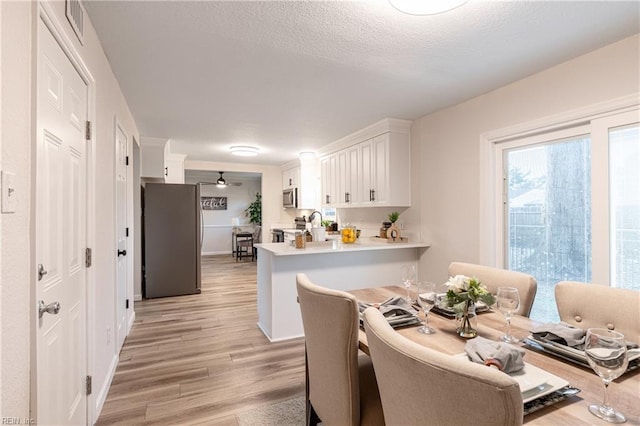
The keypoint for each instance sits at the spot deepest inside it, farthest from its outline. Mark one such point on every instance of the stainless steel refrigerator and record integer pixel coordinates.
(172, 239)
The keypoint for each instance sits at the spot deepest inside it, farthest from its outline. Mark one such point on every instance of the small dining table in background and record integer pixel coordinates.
(624, 392)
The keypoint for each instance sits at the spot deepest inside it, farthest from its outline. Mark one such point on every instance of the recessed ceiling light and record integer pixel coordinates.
(244, 151)
(422, 7)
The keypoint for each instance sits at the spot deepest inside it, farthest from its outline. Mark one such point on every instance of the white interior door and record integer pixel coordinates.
(121, 236)
(60, 237)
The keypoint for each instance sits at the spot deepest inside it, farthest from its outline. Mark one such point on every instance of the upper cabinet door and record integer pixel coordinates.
(371, 172)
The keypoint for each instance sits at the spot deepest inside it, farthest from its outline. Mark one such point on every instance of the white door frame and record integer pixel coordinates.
(121, 330)
(48, 16)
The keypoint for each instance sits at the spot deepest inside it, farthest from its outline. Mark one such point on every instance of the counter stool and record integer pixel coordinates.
(244, 246)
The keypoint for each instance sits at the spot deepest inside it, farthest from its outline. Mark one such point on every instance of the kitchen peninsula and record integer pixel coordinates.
(332, 264)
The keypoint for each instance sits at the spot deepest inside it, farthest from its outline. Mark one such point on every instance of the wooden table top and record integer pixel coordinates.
(624, 392)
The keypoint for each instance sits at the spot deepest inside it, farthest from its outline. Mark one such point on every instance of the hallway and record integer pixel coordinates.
(201, 359)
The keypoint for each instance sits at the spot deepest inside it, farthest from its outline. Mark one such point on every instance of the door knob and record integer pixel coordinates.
(41, 271)
(122, 252)
(51, 308)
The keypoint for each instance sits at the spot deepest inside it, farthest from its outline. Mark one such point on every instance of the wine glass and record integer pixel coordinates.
(508, 301)
(426, 296)
(408, 278)
(606, 351)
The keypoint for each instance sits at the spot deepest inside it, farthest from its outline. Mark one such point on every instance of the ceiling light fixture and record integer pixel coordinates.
(421, 7)
(307, 154)
(244, 151)
(221, 183)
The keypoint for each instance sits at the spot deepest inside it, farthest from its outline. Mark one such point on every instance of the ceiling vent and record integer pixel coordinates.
(75, 14)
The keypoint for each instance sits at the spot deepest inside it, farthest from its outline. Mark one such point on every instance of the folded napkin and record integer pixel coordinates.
(395, 310)
(561, 332)
(505, 357)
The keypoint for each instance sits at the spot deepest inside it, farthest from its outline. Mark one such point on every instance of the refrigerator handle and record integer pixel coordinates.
(201, 229)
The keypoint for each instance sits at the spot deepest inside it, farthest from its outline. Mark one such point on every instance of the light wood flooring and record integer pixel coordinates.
(201, 359)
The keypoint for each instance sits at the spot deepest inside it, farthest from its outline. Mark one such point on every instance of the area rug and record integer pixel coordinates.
(284, 413)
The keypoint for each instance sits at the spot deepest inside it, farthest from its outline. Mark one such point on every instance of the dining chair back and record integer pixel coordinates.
(341, 386)
(492, 278)
(586, 305)
(420, 386)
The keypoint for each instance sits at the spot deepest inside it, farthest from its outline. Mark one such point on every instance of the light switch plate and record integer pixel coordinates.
(9, 196)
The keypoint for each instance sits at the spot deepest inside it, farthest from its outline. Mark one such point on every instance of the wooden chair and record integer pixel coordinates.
(586, 305)
(492, 278)
(420, 386)
(341, 384)
(244, 246)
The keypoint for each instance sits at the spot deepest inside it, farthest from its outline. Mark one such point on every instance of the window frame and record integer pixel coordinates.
(596, 118)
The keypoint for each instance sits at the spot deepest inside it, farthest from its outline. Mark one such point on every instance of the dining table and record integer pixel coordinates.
(624, 392)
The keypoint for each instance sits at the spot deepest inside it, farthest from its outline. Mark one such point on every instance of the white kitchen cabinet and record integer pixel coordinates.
(152, 152)
(372, 173)
(386, 174)
(291, 178)
(306, 178)
(174, 168)
(159, 162)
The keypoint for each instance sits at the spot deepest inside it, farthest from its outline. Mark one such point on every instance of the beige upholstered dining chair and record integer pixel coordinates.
(420, 386)
(341, 385)
(591, 305)
(493, 278)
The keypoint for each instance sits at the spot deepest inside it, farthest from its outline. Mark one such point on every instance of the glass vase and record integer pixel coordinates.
(467, 321)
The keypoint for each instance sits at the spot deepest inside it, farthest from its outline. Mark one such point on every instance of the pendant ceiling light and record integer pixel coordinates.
(244, 151)
(221, 183)
(424, 7)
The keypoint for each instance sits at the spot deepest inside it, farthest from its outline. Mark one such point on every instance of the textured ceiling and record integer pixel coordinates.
(296, 75)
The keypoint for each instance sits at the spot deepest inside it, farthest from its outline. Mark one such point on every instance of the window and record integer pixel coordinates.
(548, 215)
(570, 205)
(624, 213)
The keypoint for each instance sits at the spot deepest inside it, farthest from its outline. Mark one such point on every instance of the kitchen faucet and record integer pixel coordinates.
(313, 216)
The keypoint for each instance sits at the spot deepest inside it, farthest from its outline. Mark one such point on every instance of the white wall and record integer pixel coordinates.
(445, 145)
(271, 187)
(16, 38)
(217, 223)
(19, 23)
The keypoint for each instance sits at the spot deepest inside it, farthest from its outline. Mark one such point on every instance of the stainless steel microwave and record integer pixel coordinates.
(290, 198)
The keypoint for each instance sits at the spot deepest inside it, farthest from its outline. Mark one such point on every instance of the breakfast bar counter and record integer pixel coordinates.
(366, 263)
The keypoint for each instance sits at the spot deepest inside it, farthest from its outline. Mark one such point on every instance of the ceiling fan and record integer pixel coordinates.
(221, 182)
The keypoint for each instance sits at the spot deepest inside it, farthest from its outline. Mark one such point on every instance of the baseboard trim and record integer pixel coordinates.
(215, 253)
(101, 397)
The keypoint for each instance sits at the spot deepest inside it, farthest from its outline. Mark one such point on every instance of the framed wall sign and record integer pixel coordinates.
(213, 203)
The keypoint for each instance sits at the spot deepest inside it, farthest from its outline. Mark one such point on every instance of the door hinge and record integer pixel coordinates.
(89, 387)
(126, 232)
(87, 130)
(127, 304)
(126, 160)
(87, 257)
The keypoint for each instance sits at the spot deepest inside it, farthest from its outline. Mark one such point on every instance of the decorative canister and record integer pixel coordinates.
(301, 240)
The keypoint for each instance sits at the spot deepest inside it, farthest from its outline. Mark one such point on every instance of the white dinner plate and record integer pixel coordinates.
(534, 382)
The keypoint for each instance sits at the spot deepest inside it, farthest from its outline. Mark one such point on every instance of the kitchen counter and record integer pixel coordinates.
(334, 246)
(364, 264)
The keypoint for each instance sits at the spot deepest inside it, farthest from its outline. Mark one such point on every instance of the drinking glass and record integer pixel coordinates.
(408, 278)
(508, 301)
(606, 351)
(426, 296)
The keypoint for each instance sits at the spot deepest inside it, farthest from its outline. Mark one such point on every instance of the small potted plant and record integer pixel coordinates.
(386, 225)
(393, 217)
(327, 225)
